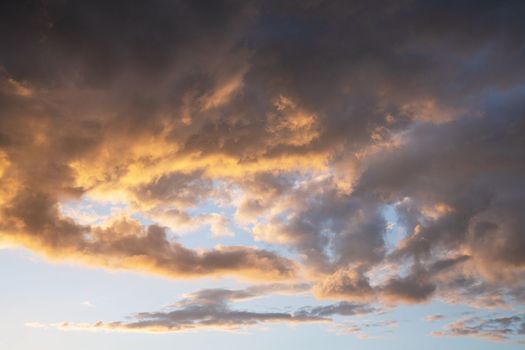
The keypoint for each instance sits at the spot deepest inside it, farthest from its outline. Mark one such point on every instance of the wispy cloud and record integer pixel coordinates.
(211, 309)
(503, 328)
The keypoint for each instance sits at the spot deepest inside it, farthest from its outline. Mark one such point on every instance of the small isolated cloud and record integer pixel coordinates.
(435, 317)
(87, 303)
(366, 329)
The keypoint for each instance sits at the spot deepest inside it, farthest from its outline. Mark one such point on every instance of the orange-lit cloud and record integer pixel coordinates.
(292, 127)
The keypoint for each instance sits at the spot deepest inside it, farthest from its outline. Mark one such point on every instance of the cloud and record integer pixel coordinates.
(362, 329)
(175, 189)
(435, 317)
(495, 329)
(87, 303)
(210, 309)
(417, 286)
(126, 244)
(303, 121)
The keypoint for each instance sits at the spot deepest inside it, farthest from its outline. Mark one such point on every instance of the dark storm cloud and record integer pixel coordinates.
(468, 172)
(474, 166)
(46, 42)
(315, 115)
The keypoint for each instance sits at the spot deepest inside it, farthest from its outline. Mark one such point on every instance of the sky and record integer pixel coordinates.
(262, 174)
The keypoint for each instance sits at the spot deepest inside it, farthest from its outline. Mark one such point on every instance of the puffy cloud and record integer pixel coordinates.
(175, 189)
(344, 284)
(474, 176)
(326, 226)
(416, 286)
(126, 244)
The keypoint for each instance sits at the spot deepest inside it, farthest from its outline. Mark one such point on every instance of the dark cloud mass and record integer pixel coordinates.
(302, 122)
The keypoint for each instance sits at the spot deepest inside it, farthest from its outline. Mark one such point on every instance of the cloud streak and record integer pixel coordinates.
(210, 309)
(495, 329)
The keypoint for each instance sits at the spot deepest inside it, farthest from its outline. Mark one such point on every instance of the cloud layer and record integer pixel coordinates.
(297, 124)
